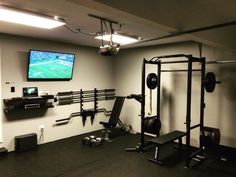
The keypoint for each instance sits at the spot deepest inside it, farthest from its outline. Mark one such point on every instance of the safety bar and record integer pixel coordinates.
(195, 126)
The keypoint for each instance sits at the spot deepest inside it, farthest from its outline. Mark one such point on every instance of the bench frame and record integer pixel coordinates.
(168, 139)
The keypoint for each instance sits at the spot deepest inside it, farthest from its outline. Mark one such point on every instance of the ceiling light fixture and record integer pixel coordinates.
(27, 18)
(118, 38)
(115, 38)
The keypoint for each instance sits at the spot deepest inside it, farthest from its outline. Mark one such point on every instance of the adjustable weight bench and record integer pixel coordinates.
(165, 139)
(114, 118)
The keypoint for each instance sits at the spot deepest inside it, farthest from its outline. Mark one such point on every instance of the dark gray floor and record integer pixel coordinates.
(68, 158)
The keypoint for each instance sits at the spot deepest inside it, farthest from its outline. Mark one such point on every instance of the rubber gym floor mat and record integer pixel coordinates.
(128, 165)
(68, 158)
(224, 169)
(132, 164)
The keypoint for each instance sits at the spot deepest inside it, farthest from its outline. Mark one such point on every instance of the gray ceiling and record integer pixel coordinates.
(146, 18)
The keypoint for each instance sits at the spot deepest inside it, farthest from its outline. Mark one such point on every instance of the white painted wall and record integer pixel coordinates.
(220, 105)
(122, 72)
(90, 71)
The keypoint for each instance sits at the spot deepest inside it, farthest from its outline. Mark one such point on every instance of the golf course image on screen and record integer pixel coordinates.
(50, 65)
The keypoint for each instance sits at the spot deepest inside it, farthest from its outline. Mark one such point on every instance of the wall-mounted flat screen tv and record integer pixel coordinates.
(47, 65)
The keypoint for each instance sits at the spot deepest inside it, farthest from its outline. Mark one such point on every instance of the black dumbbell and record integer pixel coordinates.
(86, 140)
(96, 142)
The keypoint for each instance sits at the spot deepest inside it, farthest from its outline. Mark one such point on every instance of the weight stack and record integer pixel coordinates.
(26, 142)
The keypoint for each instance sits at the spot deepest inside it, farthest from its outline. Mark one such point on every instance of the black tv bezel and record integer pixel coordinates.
(49, 79)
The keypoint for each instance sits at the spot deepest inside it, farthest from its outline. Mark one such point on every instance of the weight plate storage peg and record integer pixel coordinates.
(152, 80)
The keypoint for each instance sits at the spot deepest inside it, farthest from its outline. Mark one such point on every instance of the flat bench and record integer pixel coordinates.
(165, 139)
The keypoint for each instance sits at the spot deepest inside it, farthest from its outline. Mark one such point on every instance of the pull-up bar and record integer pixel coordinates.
(178, 70)
(156, 59)
(173, 62)
(170, 56)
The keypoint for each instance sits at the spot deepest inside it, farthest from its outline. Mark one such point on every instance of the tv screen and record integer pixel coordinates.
(30, 91)
(46, 65)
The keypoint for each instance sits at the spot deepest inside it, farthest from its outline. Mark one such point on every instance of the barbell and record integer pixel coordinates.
(209, 81)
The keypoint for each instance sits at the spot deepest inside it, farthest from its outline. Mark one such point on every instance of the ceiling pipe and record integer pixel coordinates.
(221, 62)
(206, 28)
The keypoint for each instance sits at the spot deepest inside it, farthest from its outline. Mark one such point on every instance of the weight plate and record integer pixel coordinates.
(152, 81)
(152, 126)
(210, 82)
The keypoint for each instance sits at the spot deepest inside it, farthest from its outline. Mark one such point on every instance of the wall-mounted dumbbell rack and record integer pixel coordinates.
(81, 97)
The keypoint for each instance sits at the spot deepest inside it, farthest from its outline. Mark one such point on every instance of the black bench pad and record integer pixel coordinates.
(167, 138)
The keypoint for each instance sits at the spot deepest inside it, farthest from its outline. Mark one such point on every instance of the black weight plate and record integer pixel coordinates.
(145, 126)
(210, 82)
(210, 137)
(156, 127)
(147, 123)
(152, 126)
(151, 81)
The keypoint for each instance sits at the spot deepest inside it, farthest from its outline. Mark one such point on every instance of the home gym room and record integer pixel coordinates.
(117, 88)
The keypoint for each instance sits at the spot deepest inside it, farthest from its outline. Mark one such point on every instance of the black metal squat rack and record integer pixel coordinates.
(159, 61)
